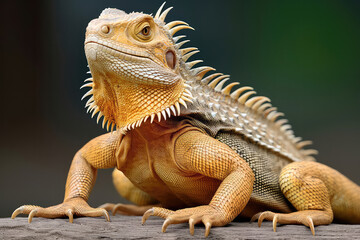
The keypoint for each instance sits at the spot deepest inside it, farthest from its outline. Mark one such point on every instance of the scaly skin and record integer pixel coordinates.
(220, 155)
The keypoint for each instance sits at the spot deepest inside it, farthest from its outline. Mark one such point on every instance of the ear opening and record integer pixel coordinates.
(171, 59)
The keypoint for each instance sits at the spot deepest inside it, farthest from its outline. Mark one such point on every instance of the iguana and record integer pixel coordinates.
(188, 148)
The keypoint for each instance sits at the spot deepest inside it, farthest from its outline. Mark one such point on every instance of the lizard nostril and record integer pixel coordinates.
(105, 29)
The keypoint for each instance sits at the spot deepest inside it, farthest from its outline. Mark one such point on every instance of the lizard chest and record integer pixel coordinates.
(136, 160)
(150, 165)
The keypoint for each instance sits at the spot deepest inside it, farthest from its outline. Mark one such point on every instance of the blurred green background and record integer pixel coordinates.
(304, 55)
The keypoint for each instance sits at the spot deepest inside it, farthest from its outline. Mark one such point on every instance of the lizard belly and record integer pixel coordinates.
(140, 172)
(171, 188)
(144, 179)
(163, 180)
(148, 162)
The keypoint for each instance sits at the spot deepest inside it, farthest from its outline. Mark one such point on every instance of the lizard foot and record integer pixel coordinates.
(69, 208)
(308, 218)
(208, 215)
(126, 209)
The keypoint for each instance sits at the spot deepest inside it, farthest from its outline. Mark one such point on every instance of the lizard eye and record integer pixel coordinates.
(146, 31)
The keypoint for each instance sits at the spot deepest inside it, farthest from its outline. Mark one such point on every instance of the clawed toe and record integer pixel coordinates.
(68, 208)
(192, 221)
(166, 223)
(110, 207)
(26, 209)
(107, 206)
(207, 228)
(255, 217)
(117, 208)
(261, 216)
(311, 225)
(126, 209)
(301, 217)
(70, 215)
(267, 216)
(105, 214)
(146, 215)
(205, 214)
(17, 212)
(31, 215)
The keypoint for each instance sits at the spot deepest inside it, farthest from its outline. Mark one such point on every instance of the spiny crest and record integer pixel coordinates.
(162, 16)
(174, 26)
(93, 108)
(260, 105)
(244, 96)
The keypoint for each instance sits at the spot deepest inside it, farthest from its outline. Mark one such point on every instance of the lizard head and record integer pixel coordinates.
(135, 68)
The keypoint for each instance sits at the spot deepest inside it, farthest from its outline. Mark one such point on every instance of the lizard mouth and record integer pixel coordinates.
(130, 61)
(116, 50)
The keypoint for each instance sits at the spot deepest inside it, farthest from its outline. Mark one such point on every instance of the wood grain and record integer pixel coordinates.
(124, 227)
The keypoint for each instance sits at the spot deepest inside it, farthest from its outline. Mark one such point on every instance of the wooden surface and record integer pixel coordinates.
(123, 227)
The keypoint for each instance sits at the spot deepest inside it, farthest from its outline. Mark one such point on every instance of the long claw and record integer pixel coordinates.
(70, 214)
(17, 212)
(311, 225)
(261, 219)
(255, 217)
(192, 226)
(275, 222)
(264, 215)
(207, 229)
(107, 206)
(31, 215)
(146, 215)
(116, 208)
(106, 215)
(166, 223)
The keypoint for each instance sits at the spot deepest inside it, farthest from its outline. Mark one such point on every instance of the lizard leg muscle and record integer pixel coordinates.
(98, 153)
(318, 193)
(198, 153)
(131, 193)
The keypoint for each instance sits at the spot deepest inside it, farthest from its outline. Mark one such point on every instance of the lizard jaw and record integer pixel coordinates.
(166, 112)
(172, 110)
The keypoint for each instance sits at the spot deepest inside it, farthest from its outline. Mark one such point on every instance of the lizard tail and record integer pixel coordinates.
(345, 202)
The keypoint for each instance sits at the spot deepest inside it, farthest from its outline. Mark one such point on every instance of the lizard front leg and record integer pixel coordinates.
(98, 153)
(196, 152)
